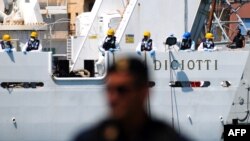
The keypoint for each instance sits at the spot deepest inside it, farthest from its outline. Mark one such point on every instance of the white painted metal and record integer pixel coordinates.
(52, 10)
(125, 19)
(28, 12)
(31, 12)
(137, 18)
(88, 27)
(93, 33)
(66, 105)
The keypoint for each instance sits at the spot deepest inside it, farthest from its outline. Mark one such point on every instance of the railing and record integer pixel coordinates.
(58, 7)
(223, 24)
(53, 3)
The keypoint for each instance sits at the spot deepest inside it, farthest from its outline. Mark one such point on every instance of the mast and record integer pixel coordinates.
(210, 18)
(186, 16)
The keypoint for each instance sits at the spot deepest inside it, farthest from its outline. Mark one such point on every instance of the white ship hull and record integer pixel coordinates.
(57, 110)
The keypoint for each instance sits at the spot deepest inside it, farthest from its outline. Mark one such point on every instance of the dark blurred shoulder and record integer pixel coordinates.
(103, 131)
(157, 130)
(90, 134)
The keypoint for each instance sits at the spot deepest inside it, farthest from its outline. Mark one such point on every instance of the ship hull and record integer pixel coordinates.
(61, 107)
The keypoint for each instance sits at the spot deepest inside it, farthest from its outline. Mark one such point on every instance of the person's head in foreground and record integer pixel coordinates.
(127, 89)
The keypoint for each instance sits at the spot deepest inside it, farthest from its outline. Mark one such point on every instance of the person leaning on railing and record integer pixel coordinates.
(108, 44)
(146, 45)
(248, 34)
(207, 44)
(6, 45)
(239, 40)
(33, 44)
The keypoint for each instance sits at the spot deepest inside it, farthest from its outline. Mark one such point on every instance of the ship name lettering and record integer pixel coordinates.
(186, 64)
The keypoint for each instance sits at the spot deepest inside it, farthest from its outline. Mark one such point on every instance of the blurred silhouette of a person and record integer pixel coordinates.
(127, 91)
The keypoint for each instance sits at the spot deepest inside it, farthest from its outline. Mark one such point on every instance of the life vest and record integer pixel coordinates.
(33, 45)
(146, 44)
(208, 44)
(109, 43)
(186, 44)
(4, 46)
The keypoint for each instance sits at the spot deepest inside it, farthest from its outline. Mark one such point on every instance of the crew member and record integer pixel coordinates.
(207, 44)
(146, 45)
(187, 43)
(5, 44)
(108, 44)
(239, 40)
(33, 44)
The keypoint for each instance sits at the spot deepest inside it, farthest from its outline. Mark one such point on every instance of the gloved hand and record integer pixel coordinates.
(111, 50)
(152, 53)
(138, 52)
(8, 50)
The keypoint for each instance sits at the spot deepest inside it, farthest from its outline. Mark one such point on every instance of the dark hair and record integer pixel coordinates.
(239, 30)
(135, 67)
(248, 32)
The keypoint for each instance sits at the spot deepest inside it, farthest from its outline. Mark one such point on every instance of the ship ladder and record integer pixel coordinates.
(69, 50)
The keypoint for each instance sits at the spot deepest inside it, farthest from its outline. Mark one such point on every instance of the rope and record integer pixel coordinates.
(173, 97)
(171, 79)
(148, 101)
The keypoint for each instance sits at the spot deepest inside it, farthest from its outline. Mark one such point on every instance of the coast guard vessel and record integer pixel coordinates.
(197, 93)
